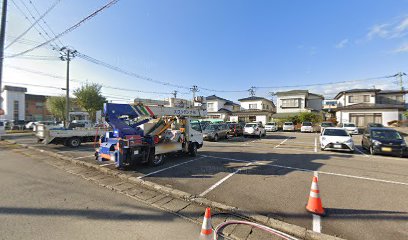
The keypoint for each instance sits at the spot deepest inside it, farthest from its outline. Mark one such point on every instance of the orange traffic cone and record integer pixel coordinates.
(206, 229)
(314, 204)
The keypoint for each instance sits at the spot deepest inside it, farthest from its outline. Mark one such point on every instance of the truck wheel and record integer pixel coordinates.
(156, 160)
(193, 150)
(74, 142)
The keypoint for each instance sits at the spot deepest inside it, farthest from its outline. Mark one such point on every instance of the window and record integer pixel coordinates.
(15, 110)
(210, 106)
(253, 106)
(359, 99)
(366, 98)
(351, 99)
(291, 103)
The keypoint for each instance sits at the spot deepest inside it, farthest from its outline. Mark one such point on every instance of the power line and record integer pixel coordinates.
(109, 4)
(33, 24)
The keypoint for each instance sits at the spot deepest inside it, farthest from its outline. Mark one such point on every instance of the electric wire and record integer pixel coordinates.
(34, 23)
(70, 29)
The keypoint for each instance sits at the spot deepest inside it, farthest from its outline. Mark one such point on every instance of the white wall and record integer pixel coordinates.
(217, 105)
(8, 104)
(345, 97)
(261, 119)
(387, 115)
(233, 118)
(290, 110)
(245, 104)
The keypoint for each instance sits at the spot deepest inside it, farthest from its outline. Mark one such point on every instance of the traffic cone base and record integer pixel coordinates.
(314, 205)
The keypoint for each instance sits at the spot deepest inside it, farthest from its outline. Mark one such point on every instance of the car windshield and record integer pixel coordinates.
(386, 135)
(375, 125)
(211, 127)
(288, 123)
(335, 132)
(307, 124)
(349, 125)
(250, 125)
(327, 124)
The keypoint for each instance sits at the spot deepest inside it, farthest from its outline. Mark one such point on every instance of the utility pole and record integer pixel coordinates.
(399, 77)
(194, 90)
(66, 55)
(2, 37)
(174, 94)
(252, 91)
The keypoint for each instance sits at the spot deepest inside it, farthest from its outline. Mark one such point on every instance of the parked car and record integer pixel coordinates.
(254, 129)
(235, 129)
(307, 127)
(2, 128)
(370, 125)
(350, 127)
(30, 125)
(384, 141)
(46, 123)
(215, 131)
(335, 138)
(17, 124)
(271, 127)
(324, 125)
(288, 126)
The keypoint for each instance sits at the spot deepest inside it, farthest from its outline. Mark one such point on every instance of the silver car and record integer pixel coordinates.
(215, 131)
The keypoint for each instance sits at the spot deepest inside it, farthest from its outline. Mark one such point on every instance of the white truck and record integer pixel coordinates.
(71, 137)
(148, 134)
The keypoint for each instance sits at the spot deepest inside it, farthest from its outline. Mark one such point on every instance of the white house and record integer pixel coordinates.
(219, 108)
(291, 103)
(253, 109)
(363, 106)
(14, 103)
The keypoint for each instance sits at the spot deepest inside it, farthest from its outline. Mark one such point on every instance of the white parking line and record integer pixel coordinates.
(84, 157)
(164, 169)
(222, 180)
(321, 172)
(317, 227)
(283, 142)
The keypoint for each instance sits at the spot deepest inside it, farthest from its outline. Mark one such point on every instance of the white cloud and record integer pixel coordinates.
(402, 48)
(342, 43)
(395, 29)
(378, 31)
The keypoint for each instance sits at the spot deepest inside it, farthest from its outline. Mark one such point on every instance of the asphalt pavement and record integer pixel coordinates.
(365, 196)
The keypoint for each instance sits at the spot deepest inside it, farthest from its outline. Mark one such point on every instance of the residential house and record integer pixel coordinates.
(254, 109)
(291, 103)
(363, 106)
(329, 108)
(220, 108)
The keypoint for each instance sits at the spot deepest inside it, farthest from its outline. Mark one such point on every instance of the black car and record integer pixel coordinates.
(373, 125)
(384, 141)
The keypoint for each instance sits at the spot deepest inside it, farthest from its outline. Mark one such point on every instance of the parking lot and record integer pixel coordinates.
(365, 196)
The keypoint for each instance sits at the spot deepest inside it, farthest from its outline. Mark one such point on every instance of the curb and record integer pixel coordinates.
(296, 231)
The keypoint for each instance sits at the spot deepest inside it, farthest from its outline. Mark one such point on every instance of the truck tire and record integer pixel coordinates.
(74, 142)
(193, 149)
(156, 160)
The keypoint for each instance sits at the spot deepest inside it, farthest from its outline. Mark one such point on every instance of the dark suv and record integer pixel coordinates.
(235, 129)
(384, 141)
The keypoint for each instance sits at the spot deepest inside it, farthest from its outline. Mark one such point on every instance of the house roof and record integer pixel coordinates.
(298, 92)
(231, 104)
(224, 110)
(392, 92)
(357, 90)
(253, 98)
(14, 89)
(370, 106)
(227, 102)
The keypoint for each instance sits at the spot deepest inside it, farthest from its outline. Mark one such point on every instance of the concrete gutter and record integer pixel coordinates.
(294, 230)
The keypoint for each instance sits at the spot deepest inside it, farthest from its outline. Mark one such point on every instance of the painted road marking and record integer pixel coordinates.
(283, 142)
(84, 157)
(164, 169)
(317, 227)
(223, 180)
(322, 172)
(106, 164)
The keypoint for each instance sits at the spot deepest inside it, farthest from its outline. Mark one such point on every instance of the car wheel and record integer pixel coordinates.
(74, 142)
(156, 160)
(216, 138)
(372, 152)
(193, 149)
(226, 136)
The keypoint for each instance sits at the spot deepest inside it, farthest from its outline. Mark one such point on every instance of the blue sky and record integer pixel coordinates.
(223, 45)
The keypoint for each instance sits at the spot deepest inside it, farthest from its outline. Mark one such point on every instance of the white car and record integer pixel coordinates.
(271, 127)
(288, 126)
(307, 127)
(334, 138)
(350, 127)
(254, 129)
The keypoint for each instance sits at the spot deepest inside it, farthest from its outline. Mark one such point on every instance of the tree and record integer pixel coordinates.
(89, 97)
(309, 117)
(56, 106)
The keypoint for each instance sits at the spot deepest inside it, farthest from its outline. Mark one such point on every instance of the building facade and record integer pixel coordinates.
(220, 108)
(291, 103)
(254, 109)
(36, 109)
(13, 103)
(363, 106)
